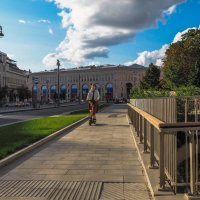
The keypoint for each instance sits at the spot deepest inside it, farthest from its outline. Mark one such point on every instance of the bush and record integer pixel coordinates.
(187, 91)
(139, 93)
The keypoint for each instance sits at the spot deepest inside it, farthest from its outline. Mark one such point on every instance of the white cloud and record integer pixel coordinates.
(66, 19)
(45, 21)
(146, 57)
(93, 26)
(21, 21)
(170, 10)
(51, 31)
(50, 60)
(96, 63)
(12, 56)
(178, 36)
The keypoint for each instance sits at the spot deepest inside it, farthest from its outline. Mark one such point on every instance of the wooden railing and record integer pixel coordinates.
(173, 146)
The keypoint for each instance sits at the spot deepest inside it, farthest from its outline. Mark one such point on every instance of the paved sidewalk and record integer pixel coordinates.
(97, 162)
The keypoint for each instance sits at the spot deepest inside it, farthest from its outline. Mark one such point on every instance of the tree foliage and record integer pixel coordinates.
(151, 78)
(182, 61)
(181, 70)
(24, 93)
(181, 91)
(3, 93)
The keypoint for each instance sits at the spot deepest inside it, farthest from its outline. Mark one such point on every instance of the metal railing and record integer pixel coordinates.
(171, 109)
(172, 143)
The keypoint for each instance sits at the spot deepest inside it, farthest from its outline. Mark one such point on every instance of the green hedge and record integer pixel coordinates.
(139, 93)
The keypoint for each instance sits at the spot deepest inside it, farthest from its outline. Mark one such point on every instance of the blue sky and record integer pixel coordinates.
(28, 39)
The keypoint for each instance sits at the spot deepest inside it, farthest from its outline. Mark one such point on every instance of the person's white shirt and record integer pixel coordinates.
(96, 95)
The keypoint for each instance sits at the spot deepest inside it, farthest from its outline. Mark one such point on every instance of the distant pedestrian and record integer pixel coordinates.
(93, 100)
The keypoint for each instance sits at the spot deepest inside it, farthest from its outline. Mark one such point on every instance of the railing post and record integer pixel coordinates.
(197, 161)
(186, 157)
(161, 161)
(152, 157)
(196, 109)
(186, 109)
(192, 164)
(140, 131)
(137, 124)
(134, 116)
(131, 115)
(145, 135)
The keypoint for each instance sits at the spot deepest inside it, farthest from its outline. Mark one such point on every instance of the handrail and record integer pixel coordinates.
(171, 97)
(162, 126)
(148, 117)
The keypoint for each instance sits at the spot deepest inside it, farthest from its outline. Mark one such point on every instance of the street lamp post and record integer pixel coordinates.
(79, 78)
(47, 82)
(1, 32)
(115, 89)
(58, 64)
(103, 94)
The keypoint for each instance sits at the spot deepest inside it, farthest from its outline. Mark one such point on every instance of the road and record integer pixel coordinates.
(26, 115)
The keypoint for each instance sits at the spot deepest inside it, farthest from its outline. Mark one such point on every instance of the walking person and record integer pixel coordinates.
(93, 100)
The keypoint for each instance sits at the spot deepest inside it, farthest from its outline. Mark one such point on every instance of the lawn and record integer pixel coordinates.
(16, 136)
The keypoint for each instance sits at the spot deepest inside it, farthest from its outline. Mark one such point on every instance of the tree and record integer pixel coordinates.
(151, 78)
(174, 76)
(3, 93)
(182, 61)
(24, 93)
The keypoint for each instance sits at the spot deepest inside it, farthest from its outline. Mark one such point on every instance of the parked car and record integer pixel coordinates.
(120, 100)
(51, 101)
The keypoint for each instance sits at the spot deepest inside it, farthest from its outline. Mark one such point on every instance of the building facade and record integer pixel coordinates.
(112, 82)
(11, 76)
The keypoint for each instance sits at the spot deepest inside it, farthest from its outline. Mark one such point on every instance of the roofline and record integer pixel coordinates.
(91, 68)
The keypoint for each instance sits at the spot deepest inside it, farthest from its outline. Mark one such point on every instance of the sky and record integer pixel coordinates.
(87, 32)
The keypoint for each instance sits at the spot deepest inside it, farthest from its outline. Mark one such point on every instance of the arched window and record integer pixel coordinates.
(85, 90)
(44, 89)
(74, 91)
(98, 87)
(53, 89)
(63, 92)
(35, 89)
(109, 91)
(63, 89)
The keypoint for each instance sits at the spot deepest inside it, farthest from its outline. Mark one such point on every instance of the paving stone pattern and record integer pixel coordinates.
(89, 163)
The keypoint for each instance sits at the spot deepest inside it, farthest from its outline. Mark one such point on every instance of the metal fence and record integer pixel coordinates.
(173, 143)
(171, 109)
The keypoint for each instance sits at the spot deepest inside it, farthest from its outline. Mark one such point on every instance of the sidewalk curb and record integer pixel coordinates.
(140, 159)
(39, 143)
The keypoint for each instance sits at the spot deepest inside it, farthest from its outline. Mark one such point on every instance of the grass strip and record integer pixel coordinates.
(17, 136)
